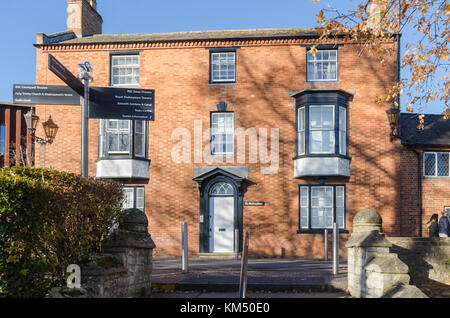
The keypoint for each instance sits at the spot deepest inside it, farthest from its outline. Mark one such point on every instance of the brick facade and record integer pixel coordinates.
(267, 71)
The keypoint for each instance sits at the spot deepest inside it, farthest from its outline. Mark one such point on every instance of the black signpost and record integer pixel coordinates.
(44, 94)
(122, 103)
(65, 75)
(96, 102)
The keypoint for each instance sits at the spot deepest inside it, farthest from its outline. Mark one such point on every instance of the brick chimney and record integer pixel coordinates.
(83, 18)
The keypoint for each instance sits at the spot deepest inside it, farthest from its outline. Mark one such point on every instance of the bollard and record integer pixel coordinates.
(243, 278)
(325, 242)
(236, 244)
(184, 248)
(335, 249)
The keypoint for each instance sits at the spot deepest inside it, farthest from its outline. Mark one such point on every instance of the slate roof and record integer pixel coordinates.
(192, 35)
(435, 133)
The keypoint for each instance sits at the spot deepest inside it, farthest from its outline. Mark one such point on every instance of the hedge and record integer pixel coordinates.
(48, 220)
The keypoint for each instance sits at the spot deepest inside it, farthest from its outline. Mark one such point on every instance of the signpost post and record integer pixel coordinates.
(85, 68)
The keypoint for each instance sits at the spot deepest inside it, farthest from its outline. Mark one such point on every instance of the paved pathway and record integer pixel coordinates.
(302, 278)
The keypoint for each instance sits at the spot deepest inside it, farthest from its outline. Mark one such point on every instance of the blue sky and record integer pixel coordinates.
(20, 20)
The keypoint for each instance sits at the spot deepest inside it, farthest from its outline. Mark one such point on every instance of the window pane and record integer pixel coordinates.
(315, 117)
(139, 138)
(430, 164)
(321, 207)
(223, 66)
(327, 117)
(342, 131)
(140, 198)
(322, 141)
(301, 131)
(112, 124)
(442, 164)
(125, 70)
(113, 142)
(340, 206)
(139, 145)
(323, 66)
(124, 142)
(304, 206)
(315, 141)
(222, 133)
(128, 198)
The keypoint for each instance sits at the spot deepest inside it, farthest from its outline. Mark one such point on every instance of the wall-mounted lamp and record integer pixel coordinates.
(50, 128)
(393, 114)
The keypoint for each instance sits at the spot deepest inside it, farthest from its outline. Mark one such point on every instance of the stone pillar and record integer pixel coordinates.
(133, 246)
(372, 270)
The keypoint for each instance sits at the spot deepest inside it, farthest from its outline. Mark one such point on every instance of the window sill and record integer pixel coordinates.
(222, 84)
(436, 177)
(323, 82)
(320, 231)
(123, 157)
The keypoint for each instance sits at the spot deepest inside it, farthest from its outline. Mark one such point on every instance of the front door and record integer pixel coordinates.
(221, 218)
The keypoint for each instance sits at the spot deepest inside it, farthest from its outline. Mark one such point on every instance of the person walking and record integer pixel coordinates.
(433, 229)
(444, 225)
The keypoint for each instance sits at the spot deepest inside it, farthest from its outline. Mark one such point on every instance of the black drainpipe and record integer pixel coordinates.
(419, 185)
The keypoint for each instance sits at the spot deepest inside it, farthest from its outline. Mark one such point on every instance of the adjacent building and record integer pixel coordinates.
(252, 132)
(16, 146)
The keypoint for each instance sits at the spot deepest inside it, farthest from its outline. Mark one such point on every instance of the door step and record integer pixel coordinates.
(219, 255)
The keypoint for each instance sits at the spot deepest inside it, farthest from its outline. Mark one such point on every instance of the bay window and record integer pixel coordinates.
(321, 133)
(117, 138)
(318, 132)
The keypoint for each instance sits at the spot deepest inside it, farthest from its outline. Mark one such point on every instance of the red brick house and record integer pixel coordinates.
(251, 133)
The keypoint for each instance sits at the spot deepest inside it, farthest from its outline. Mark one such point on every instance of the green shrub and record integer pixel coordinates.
(48, 220)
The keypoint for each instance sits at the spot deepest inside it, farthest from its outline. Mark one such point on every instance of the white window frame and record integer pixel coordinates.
(333, 130)
(109, 132)
(222, 79)
(139, 135)
(125, 68)
(226, 133)
(307, 207)
(435, 153)
(342, 133)
(301, 131)
(315, 61)
(134, 192)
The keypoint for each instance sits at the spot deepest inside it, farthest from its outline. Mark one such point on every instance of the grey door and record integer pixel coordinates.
(221, 218)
